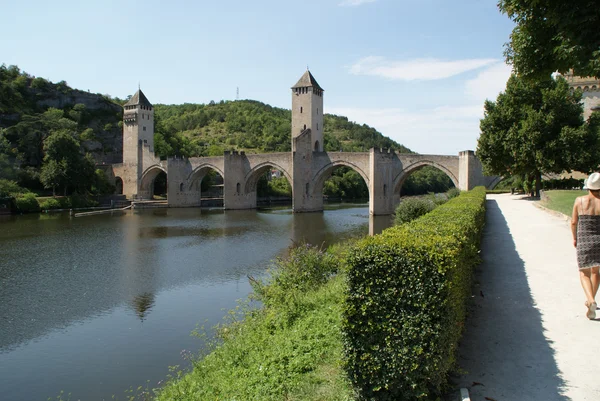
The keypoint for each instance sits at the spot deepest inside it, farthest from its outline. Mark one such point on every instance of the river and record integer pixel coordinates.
(96, 305)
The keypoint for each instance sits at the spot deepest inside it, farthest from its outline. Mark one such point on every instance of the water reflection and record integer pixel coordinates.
(95, 294)
(142, 304)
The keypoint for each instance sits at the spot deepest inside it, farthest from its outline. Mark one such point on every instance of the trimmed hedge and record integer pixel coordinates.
(406, 303)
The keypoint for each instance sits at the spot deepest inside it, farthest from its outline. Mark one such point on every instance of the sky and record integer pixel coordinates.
(418, 71)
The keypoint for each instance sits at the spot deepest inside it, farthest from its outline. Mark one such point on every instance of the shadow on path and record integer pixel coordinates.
(504, 354)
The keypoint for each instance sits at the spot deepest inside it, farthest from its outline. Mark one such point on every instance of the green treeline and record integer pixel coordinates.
(209, 129)
(51, 136)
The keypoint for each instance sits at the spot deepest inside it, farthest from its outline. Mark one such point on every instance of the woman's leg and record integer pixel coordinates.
(586, 283)
(595, 279)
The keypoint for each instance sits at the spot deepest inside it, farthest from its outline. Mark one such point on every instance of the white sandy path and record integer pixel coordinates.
(527, 337)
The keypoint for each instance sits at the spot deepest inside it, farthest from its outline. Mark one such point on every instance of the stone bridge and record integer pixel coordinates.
(306, 167)
(384, 171)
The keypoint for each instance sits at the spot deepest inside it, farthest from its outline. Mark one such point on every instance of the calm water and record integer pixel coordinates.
(96, 305)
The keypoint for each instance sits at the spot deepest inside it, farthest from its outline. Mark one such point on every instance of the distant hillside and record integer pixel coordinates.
(32, 108)
(198, 129)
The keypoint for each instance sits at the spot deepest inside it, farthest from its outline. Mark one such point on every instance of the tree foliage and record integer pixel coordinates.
(64, 165)
(252, 126)
(536, 127)
(553, 35)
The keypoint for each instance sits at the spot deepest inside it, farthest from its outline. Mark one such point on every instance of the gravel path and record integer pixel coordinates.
(527, 337)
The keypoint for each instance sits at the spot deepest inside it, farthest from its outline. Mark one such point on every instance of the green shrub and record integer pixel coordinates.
(305, 268)
(10, 188)
(77, 201)
(412, 208)
(51, 203)
(27, 203)
(406, 302)
(263, 354)
(452, 193)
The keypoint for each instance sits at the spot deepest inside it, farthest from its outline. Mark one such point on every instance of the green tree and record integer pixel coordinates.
(54, 175)
(65, 166)
(553, 35)
(536, 127)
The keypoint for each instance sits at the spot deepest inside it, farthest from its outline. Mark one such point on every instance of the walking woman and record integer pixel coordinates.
(585, 226)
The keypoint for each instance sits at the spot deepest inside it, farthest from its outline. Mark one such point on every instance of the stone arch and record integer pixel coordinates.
(257, 171)
(118, 185)
(494, 182)
(316, 146)
(324, 173)
(194, 179)
(408, 170)
(147, 181)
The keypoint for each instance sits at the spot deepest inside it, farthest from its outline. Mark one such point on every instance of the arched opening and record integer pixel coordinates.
(271, 185)
(207, 183)
(340, 182)
(424, 178)
(118, 186)
(316, 146)
(159, 188)
(154, 184)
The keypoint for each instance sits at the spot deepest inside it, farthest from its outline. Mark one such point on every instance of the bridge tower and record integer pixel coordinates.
(307, 111)
(138, 143)
(138, 125)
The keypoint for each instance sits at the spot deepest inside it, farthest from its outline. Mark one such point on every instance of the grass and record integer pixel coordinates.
(291, 349)
(562, 200)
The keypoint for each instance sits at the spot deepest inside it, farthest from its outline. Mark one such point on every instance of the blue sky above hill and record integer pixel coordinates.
(418, 71)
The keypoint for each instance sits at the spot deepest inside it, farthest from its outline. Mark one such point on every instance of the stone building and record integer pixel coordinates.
(591, 92)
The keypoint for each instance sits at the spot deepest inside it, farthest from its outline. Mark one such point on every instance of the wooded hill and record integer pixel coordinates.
(32, 109)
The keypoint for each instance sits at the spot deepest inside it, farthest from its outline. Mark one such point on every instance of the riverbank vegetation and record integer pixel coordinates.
(412, 208)
(379, 317)
(291, 348)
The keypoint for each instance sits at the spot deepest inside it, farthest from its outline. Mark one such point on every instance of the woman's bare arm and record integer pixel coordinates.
(574, 219)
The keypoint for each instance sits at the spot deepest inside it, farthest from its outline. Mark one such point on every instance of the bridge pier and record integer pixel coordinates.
(470, 171)
(381, 181)
(235, 195)
(305, 196)
(181, 192)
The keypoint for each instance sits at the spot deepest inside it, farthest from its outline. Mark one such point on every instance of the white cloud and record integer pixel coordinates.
(488, 83)
(354, 3)
(444, 129)
(417, 69)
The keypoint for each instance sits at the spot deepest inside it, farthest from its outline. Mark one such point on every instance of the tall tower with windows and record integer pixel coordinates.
(138, 126)
(307, 110)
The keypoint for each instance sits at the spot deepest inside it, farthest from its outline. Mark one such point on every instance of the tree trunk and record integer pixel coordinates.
(538, 183)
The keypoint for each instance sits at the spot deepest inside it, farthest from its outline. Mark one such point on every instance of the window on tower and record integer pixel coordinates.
(300, 109)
